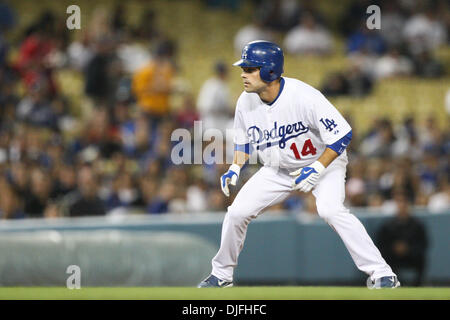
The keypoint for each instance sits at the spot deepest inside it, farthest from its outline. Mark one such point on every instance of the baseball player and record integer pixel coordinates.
(301, 139)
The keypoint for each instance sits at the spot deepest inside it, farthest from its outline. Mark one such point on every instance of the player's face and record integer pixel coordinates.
(252, 80)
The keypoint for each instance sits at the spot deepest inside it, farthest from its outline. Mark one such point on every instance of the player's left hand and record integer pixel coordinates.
(307, 177)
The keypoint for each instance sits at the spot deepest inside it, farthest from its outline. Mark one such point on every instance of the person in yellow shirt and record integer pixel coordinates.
(152, 84)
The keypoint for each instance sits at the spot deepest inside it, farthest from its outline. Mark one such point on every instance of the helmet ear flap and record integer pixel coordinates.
(267, 74)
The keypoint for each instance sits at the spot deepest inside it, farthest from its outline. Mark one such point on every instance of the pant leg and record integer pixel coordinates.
(265, 188)
(330, 195)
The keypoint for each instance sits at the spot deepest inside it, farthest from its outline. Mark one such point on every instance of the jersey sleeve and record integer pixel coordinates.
(328, 121)
(240, 136)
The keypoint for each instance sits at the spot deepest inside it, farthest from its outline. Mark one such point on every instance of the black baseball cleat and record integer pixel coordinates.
(383, 282)
(214, 282)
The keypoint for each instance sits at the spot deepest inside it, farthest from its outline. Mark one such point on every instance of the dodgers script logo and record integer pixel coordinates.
(283, 133)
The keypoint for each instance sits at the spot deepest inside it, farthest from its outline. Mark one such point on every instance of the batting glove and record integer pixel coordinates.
(231, 176)
(307, 177)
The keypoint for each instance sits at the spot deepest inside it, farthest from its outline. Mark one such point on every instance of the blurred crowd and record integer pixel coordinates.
(405, 45)
(109, 152)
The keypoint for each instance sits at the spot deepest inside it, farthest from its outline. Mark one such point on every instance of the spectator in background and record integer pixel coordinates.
(133, 55)
(134, 43)
(98, 136)
(8, 95)
(405, 179)
(403, 242)
(18, 178)
(102, 72)
(99, 25)
(440, 201)
(153, 84)
(136, 137)
(124, 193)
(99, 30)
(366, 39)
(407, 143)
(310, 206)
(7, 17)
(84, 201)
(308, 38)
(147, 28)
(335, 84)
(160, 202)
(353, 81)
(372, 174)
(106, 136)
(424, 31)
(360, 83)
(80, 52)
(32, 61)
(10, 206)
(4, 49)
(392, 64)
(294, 202)
(350, 20)
(429, 171)
(431, 137)
(375, 202)
(364, 60)
(119, 14)
(379, 142)
(399, 176)
(355, 186)
(253, 31)
(427, 66)
(393, 21)
(161, 147)
(36, 107)
(386, 182)
(216, 202)
(214, 100)
(65, 181)
(279, 15)
(53, 210)
(39, 193)
(187, 114)
(34, 146)
(148, 186)
(196, 196)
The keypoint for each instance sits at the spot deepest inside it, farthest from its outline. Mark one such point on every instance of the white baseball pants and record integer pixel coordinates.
(270, 186)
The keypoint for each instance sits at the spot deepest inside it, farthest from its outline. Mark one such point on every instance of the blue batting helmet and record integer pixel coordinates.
(264, 54)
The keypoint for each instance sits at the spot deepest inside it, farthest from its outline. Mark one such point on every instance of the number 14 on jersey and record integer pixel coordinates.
(308, 148)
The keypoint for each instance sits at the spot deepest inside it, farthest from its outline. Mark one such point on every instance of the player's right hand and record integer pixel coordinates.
(231, 176)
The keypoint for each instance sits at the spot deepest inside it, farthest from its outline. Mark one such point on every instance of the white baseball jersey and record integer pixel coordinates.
(294, 130)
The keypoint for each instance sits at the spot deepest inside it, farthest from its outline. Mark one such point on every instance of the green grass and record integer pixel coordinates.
(236, 293)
